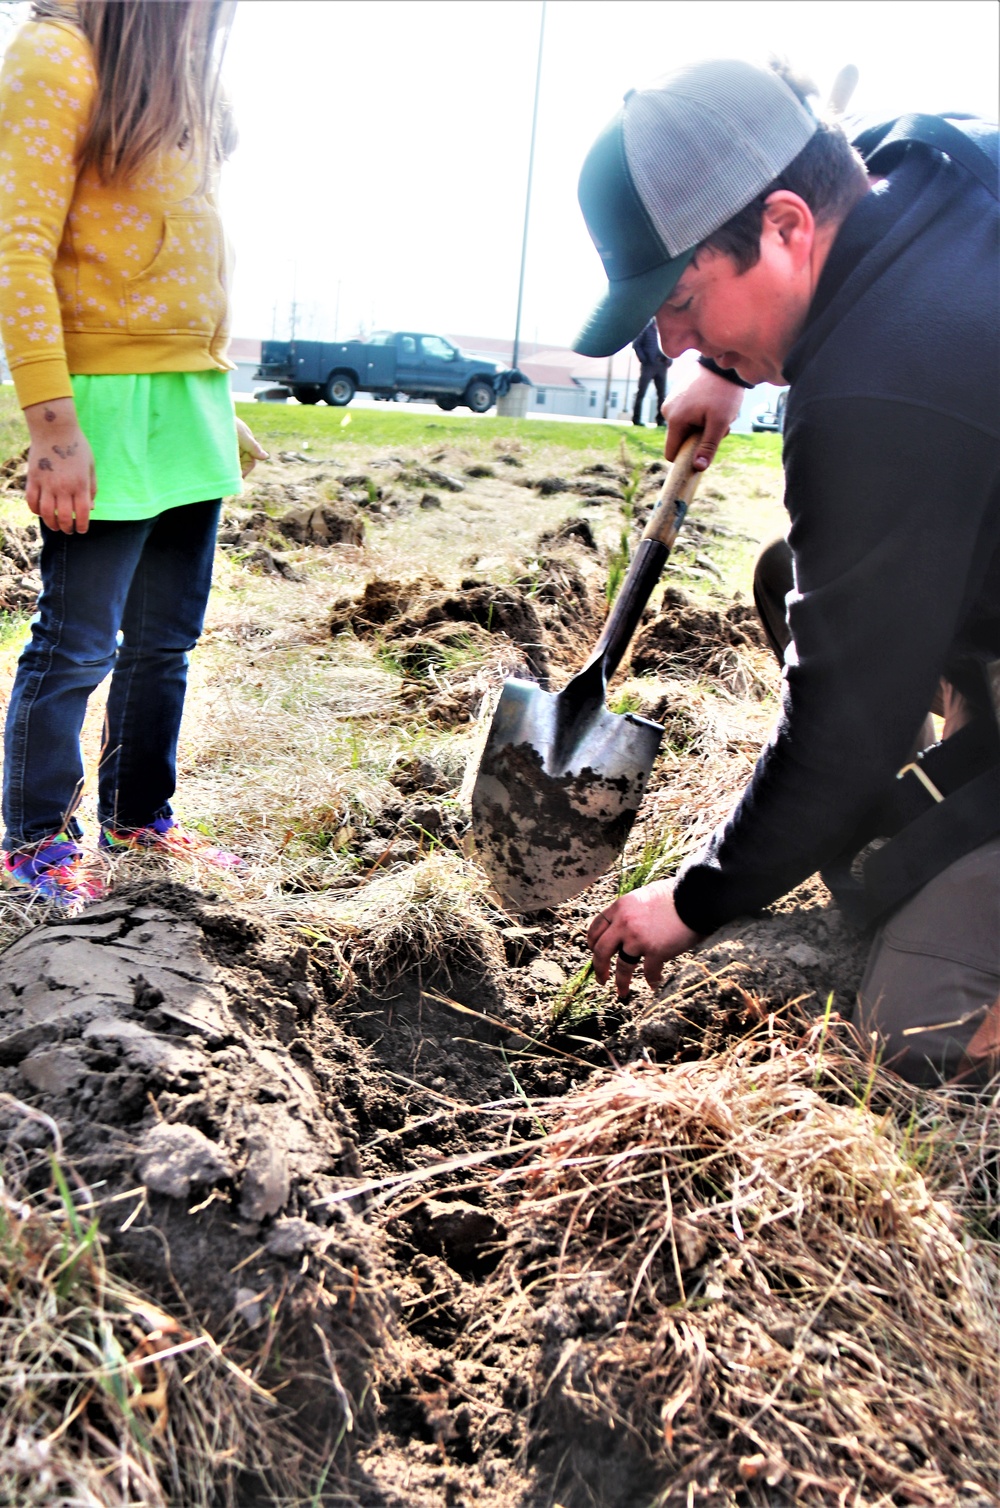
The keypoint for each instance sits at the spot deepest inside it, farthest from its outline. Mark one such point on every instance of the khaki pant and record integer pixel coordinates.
(931, 990)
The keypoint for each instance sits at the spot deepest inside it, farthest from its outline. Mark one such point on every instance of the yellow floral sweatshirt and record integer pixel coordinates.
(96, 277)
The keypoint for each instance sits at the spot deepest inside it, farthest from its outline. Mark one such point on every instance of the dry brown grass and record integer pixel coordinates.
(108, 1401)
(433, 915)
(712, 738)
(742, 1262)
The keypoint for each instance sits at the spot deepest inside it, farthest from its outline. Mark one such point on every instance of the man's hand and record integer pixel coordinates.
(251, 451)
(641, 927)
(708, 403)
(62, 483)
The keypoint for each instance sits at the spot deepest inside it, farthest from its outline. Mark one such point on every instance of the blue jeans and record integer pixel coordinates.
(127, 597)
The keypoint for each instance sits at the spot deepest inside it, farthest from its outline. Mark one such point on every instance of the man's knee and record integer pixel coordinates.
(931, 991)
(773, 579)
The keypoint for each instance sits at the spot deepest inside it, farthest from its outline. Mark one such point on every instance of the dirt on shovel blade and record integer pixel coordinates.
(543, 838)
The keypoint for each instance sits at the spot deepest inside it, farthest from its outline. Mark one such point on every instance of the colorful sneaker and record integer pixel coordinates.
(56, 871)
(166, 835)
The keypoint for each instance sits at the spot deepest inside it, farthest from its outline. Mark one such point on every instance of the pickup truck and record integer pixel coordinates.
(421, 366)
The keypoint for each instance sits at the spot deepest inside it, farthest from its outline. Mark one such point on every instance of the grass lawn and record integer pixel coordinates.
(276, 423)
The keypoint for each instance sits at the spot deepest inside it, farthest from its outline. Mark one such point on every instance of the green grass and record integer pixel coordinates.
(287, 425)
(280, 423)
(13, 628)
(658, 860)
(574, 1000)
(755, 450)
(13, 431)
(626, 701)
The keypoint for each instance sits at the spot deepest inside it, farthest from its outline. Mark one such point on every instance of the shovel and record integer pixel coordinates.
(561, 778)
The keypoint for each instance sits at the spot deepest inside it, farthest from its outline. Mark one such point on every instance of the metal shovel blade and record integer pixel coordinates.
(559, 785)
(561, 778)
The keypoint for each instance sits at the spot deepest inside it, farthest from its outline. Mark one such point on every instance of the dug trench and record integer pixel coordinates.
(327, 1146)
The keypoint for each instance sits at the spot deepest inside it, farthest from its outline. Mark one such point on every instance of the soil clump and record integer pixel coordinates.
(20, 582)
(697, 639)
(414, 617)
(164, 1033)
(320, 524)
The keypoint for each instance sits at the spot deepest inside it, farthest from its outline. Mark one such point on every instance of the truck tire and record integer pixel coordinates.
(479, 396)
(447, 404)
(310, 393)
(340, 389)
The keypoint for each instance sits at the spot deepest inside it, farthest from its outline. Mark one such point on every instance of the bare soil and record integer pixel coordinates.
(247, 1100)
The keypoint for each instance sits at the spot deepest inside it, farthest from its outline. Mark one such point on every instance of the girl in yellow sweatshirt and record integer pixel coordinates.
(113, 314)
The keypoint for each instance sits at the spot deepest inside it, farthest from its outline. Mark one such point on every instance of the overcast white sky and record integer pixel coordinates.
(384, 143)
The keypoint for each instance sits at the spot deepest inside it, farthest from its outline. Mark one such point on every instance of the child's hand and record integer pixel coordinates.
(250, 451)
(61, 483)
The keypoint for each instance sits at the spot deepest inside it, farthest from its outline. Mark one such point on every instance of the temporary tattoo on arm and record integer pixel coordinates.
(45, 464)
(65, 451)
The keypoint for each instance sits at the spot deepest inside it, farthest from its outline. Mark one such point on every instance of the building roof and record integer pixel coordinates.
(576, 367)
(544, 375)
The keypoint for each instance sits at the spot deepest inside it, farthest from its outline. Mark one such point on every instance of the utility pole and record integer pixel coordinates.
(293, 312)
(336, 314)
(607, 386)
(527, 197)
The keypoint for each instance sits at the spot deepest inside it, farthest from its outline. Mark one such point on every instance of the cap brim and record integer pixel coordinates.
(627, 306)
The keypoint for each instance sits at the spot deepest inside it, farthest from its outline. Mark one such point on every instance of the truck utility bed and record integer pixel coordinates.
(421, 366)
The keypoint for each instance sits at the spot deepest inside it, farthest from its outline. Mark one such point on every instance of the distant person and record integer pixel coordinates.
(653, 367)
(114, 315)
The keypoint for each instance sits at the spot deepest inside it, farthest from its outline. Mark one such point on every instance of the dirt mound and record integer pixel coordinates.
(598, 490)
(571, 528)
(165, 1035)
(415, 474)
(682, 1323)
(20, 582)
(495, 609)
(382, 602)
(421, 620)
(14, 472)
(749, 969)
(292, 1137)
(272, 563)
(320, 524)
(569, 604)
(547, 486)
(693, 638)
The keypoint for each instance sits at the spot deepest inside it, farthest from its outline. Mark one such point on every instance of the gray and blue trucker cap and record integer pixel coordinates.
(678, 160)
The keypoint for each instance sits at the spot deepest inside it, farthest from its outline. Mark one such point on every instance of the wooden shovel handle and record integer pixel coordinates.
(648, 562)
(676, 494)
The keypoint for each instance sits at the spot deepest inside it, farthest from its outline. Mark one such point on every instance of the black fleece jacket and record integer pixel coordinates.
(892, 485)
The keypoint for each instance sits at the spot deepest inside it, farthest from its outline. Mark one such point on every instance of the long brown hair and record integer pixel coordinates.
(157, 67)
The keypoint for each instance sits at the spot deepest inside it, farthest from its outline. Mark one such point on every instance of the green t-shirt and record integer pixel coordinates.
(160, 439)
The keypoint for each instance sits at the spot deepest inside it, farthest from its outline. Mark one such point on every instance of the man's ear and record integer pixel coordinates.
(789, 219)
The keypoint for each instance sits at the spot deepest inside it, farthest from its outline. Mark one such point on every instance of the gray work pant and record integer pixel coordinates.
(931, 990)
